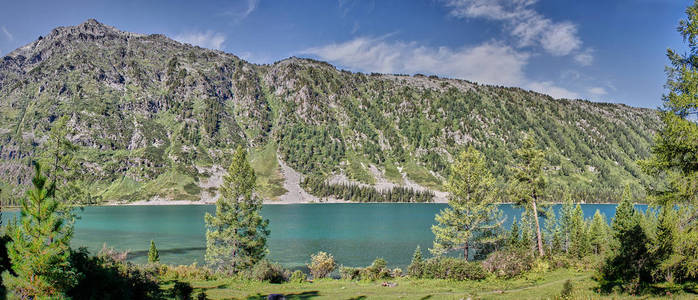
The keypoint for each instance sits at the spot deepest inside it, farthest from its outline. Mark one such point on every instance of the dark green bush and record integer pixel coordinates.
(109, 277)
(453, 269)
(350, 273)
(181, 291)
(268, 271)
(509, 263)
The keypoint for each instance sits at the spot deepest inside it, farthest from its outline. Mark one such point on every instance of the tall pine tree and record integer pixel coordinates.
(236, 236)
(39, 248)
(472, 218)
(528, 183)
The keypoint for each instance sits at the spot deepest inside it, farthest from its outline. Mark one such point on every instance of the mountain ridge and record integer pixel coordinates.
(157, 112)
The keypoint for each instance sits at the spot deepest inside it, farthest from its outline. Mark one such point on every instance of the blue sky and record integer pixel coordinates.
(607, 50)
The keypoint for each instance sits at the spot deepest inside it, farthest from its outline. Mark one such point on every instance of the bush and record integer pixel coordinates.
(397, 272)
(350, 273)
(508, 263)
(267, 271)
(376, 271)
(106, 276)
(453, 269)
(321, 265)
(187, 272)
(298, 277)
(181, 291)
(567, 290)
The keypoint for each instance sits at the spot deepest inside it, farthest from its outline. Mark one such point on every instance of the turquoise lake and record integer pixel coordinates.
(354, 233)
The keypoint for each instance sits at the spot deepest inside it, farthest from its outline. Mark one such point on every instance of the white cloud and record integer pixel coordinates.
(549, 88)
(7, 34)
(489, 63)
(584, 58)
(522, 22)
(241, 10)
(251, 6)
(598, 91)
(208, 39)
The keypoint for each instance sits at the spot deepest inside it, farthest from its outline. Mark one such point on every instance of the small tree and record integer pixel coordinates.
(415, 268)
(153, 254)
(236, 236)
(527, 186)
(321, 264)
(472, 216)
(39, 248)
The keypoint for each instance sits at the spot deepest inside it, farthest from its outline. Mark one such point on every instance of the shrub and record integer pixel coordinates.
(453, 269)
(508, 263)
(377, 270)
(108, 278)
(321, 264)
(187, 272)
(181, 291)
(567, 290)
(267, 271)
(298, 277)
(350, 273)
(397, 272)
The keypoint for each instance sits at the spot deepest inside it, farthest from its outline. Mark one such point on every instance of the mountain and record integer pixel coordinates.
(158, 119)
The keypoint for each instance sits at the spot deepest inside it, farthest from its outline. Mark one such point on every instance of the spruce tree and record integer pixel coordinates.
(153, 253)
(514, 238)
(566, 217)
(39, 247)
(598, 233)
(236, 236)
(415, 267)
(472, 216)
(528, 184)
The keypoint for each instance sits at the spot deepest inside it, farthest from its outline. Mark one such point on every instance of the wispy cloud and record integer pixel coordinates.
(7, 33)
(585, 58)
(240, 12)
(491, 62)
(208, 39)
(521, 21)
(597, 91)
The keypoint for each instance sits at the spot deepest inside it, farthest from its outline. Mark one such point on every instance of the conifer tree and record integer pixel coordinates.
(472, 215)
(598, 233)
(236, 235)
(415, 267)
(514, 239)
(566, 217)
(39, 248)
(528, 184)
(552, 229)
(153, 253)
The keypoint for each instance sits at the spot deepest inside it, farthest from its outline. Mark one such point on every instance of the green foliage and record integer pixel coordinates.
(236, 236)
(472, 218)
(265, 270)
(415, 269)
(527, 186)
(298, 277)
(107, 276)
(181, 291)
(153, 254)
(357, 193)
(453, 269)
(39, 248)
(567, 290)
(509, 263)
(321, 264)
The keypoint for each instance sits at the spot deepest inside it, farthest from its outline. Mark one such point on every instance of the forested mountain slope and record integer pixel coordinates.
(155, 118)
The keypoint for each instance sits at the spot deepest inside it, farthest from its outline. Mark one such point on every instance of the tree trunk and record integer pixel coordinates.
(465, 251)
(538, 235)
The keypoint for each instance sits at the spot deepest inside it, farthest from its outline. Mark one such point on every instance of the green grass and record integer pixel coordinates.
(171, 185)
(270, 182)
(392, 173)
(546, 285)
(421, 175)
(357, 171)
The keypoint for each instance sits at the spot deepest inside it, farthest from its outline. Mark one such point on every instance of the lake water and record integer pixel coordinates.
(354, 233)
